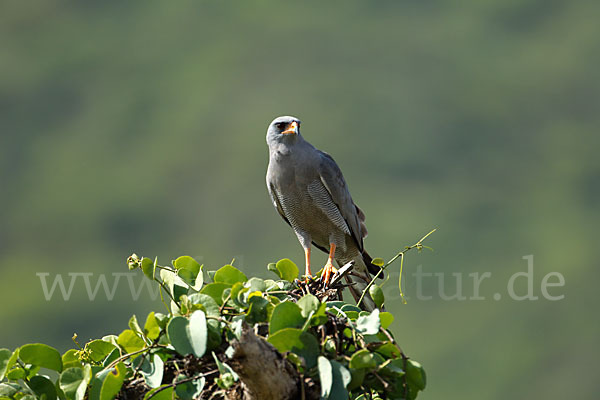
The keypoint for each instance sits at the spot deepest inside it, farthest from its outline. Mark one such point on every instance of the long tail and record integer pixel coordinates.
(360, 285)
(374, 269)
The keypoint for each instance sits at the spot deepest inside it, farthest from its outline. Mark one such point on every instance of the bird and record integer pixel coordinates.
(308, 190)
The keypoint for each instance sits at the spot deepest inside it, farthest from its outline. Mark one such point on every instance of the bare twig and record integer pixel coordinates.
(419, 246)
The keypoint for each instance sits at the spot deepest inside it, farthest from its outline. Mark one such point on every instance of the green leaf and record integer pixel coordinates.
(325, 376)
(8, 390)
(368, 324)
(152, 371)
(187, 262)
(5, 355)
(378, 261)
(388, 350)
(42, 386)
(258, 310)
(228, 375)
(162, 320)
(15, 374)
(377, 295)
(13, 359)
(341, 379)
(163, 394)
(135, 326)
(116, 353)
(386, 319)
(198, 333)
(392, 368)
(211, 275)
(177, 331)
(335, 304)
(329, 346)
(113, 382)
(130, 342)
(176, 286)
(362, 359)
(151, 327)
(209, 305)
(358, 376)
(189, 336)
(148, 268)
(189, 390)
(352, 315)
(215, 290)
(351, 307)
(33, 371)
(110, 339)
(190, 271)
(320, 316)
(308, 304)
(99, 349)
(256, 285)
(71, 359)
(287, 270)
(214, 334)
(73, 382)
(416, 374)
(96, 382)
(236, 293)
(230, 275)
(295, 340)
(286, 315)
(41, 355)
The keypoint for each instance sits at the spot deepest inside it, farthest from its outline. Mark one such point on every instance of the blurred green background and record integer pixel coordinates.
(139, 127)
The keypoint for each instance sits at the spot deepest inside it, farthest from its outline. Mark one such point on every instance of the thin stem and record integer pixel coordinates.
(219, 319)
(74, 339)
(417, 245)
(25, 369)
(174, 384)
(385, 384)
(166, 268)
(224, 303)
(133, 353)
(400, 280)
(162, 285)
(162, 299)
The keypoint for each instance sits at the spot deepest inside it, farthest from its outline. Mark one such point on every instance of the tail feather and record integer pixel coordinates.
(356, 290)
(374, 269)
(361, 267)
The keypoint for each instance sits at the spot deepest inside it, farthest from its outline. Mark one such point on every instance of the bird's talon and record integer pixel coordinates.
(328, 271)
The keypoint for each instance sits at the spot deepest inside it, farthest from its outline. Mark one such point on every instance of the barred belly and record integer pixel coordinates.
(313, 216)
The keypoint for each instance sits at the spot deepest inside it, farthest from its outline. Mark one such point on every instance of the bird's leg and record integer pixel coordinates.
(329, 269)
(307, 273)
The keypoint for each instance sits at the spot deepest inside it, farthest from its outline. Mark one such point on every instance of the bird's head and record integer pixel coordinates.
(283, 130)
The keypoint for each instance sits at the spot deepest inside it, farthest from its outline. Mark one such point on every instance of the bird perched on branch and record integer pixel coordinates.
(308, 190)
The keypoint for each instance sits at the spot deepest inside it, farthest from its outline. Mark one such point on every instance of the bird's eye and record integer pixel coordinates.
(280, 125)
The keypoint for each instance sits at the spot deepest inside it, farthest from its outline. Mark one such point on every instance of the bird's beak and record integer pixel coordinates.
(292, 129)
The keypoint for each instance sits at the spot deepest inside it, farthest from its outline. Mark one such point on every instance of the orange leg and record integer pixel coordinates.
(329, 269)
(307, 258)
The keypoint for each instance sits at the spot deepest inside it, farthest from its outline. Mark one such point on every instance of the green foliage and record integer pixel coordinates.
(287, 269)
(41, 355)
(477, 116)
(184, 353)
